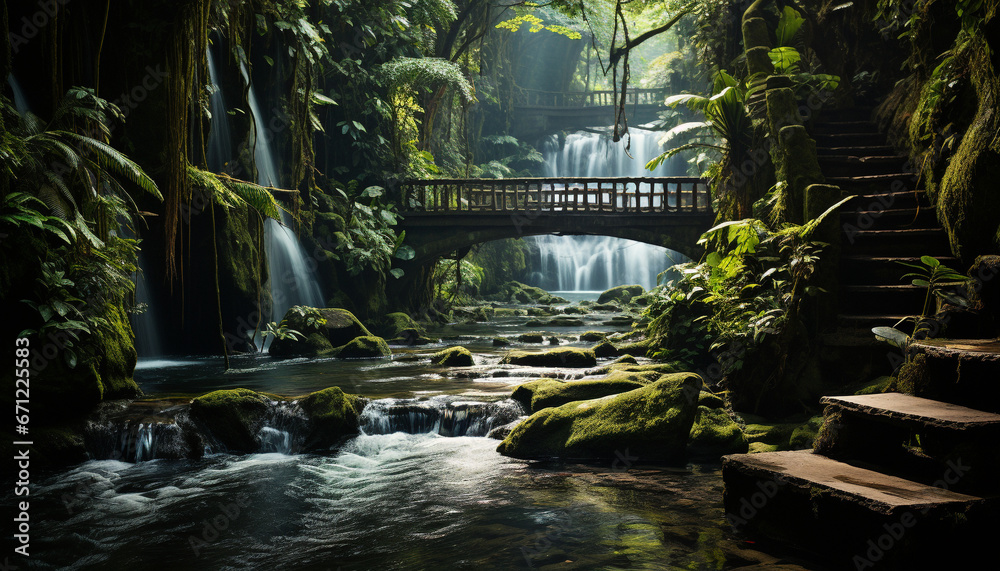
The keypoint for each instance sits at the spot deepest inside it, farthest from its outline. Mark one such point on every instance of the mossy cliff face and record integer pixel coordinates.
(969, 199)
(652, 423)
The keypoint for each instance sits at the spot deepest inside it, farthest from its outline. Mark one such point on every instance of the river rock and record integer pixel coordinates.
(312, 345)
(232, 417)
(332, 415)
(593, 336)
(605, 349)
(563, 357)
(453, 357)
(531, 337)
(715, 434)
(621, 294)
(651, 423)
(364, 347)
(544, 393)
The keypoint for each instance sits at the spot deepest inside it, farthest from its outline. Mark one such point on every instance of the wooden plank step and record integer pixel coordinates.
(913, 410)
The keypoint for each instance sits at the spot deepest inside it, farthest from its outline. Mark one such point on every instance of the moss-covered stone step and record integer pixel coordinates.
(960, 371)
(886, 299)
(872, 270)
(903, 198)
(908, 242)
(870, 139)
(857, 151)
(840, 127)
(886, 218)
(855, 517)
(853, 165)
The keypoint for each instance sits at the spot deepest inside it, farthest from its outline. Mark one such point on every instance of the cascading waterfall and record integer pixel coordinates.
(437, 416)
(20, 101)
(597, 263)
(220, 147)
(292, 281)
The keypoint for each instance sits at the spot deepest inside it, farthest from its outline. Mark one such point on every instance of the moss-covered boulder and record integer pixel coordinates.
(501, 342)
(575, 310)
(332, 415)
(531, 337)
(395, 325)
(364, 347)
(544, 393)
(453, 357)
(312, 345)
(593, 336)
(232, 417)
(621, 294)
(652, 423)
(715, 434)
(805, 434)
(562, 357)
(605, 349)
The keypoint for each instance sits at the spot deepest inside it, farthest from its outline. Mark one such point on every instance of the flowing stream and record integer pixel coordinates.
(420, 486)
(597, 263)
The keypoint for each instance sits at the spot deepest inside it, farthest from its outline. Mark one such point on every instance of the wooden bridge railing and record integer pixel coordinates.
(534, 98)
(679, 195)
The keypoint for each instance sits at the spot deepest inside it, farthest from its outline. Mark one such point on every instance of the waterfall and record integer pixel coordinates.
(136, 441)
(437, 416)
(292, 281)
(597, 263)
(20, 101)
(220, 147)
(144, 324)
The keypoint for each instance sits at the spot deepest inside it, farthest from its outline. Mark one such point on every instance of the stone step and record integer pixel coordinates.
(862, 325)
(847, 165)
(911, 242)
(855, 151)
(844, 126)
(876, 270)
(890, 200)
(885, 299)
(873, 139)
(852, 515)
(915, 412)
(875, 183)
(914, 437)
(841, 115)
(888, 218)
(960, 371)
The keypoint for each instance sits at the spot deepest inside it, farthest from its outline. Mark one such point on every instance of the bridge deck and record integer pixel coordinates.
(563, 195)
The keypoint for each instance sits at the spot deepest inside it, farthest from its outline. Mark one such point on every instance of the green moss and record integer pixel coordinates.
(710, 400)
(714, 434)
(232, 417)
(364, 347)
(531, 337)
(399, 325)
(500, 342)
(593, 336)
(453, 357)
(332, 415)
(913, 377)
(562, 357)
(312, 345)
(621, 294)
(605, 349)
(544, 393)
(804, 435)
(652, 423)
(575, 310)
(879, 385)
(117, 356)
(509, 312)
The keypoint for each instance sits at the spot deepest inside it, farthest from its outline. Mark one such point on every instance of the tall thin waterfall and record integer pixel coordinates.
(220, 147)
(20, 101)
(292, 279)
(596, 263)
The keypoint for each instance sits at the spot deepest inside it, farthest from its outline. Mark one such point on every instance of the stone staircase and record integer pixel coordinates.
(894, 480)
(889, 221)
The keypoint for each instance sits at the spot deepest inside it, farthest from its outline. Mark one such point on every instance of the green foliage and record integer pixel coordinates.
(426, 73)
(934, 277)
(525, 15)
(280, 331)
(310, 317)
(457, 281)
